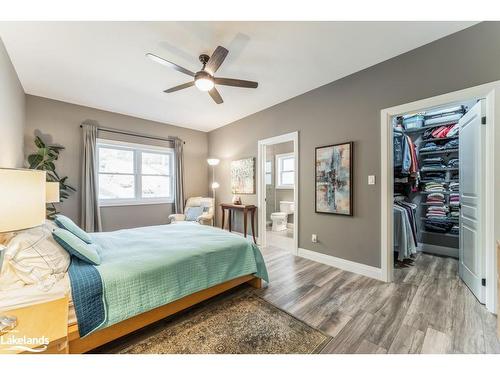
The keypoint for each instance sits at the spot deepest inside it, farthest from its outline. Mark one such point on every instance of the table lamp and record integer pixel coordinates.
(22, 206)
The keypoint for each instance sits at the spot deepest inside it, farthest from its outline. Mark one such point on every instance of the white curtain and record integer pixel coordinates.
(179, 176)
(91, 215)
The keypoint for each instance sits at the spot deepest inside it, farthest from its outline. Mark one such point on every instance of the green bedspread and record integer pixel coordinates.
(144, 268)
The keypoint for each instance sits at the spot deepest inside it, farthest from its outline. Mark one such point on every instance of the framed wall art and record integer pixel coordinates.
(333, 190)
(243, 176)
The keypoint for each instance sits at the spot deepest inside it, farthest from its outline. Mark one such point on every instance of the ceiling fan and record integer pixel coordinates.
(204, 79)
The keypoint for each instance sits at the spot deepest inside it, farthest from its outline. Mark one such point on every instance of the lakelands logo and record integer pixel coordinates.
(13, 343)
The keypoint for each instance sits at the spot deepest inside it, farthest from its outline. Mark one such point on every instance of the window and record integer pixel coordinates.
(285, 171)
(269, 173)
(132, 173)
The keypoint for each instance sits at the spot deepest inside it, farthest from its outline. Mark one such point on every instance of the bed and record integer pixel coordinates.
(149, 273)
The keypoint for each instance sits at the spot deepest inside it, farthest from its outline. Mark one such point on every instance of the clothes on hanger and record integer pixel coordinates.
(405, 229)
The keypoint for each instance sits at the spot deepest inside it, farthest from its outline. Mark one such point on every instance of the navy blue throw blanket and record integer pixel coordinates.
(87, 293)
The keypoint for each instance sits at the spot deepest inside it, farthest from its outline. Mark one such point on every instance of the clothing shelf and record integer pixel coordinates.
(440, 192)
(444, 151)
(439, 170)
(425, 127)
(440, 139)
(441, 234)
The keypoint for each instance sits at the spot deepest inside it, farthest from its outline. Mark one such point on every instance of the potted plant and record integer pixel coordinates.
(44, 160)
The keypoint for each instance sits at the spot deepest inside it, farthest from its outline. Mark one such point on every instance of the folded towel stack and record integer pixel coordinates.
(438, 225)
(453, 131)
(436, 176)
(454, 186)
(430, 146)
(455, 229)
(454, 143)
(453, 163)
(433, 146)
(434, 186)
(437, 212)
(432, 163)
(454, 199)
(454, 212)
(435, 199)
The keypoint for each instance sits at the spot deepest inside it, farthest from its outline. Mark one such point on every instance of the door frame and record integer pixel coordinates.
(261, 185)
(491, 93)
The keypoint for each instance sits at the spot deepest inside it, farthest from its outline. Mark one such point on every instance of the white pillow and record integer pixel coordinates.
(33, 257)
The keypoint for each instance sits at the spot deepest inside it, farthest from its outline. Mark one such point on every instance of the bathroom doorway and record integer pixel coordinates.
(278, 192)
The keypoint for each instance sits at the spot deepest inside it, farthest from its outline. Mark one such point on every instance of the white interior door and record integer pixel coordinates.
(471, 154)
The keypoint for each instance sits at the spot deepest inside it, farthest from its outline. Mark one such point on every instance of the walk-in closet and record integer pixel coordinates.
(434, 176)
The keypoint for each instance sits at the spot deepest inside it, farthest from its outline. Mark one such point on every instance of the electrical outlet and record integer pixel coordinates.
(314, 238)
(371, 180)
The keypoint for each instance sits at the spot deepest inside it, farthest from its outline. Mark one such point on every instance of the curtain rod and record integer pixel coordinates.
(117, 131)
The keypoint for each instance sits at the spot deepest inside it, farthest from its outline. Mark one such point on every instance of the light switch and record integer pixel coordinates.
(371, 179)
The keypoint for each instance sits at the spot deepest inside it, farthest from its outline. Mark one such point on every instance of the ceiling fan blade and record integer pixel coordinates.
(216, 60)
(216, 96)
(236, 82)
(180, 87)
(162, 61)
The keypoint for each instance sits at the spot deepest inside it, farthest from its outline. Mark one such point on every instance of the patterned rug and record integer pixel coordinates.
(240, 323)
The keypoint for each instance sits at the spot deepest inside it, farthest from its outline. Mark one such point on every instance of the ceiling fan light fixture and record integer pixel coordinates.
(204, 84)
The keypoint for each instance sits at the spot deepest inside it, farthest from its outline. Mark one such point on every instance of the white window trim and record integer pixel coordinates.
(278, 171)
(137, 173)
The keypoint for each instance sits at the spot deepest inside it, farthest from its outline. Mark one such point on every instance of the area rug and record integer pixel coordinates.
(241, 323)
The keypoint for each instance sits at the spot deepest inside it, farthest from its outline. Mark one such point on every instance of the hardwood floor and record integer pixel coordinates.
(427, 309)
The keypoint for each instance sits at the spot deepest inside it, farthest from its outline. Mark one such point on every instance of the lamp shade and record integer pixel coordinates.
(52, 192)
(22, 199)
(213, 161)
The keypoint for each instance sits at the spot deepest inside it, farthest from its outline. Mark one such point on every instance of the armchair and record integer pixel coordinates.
(206, 218)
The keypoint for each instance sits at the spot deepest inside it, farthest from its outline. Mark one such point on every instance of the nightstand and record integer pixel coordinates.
(41, 328)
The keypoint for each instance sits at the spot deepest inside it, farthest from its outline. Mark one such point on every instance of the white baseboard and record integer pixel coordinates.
(343, 264)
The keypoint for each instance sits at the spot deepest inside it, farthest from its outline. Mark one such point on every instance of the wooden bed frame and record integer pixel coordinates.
(103, 336)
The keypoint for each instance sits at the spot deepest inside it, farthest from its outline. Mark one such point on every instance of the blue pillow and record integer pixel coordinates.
(192, 213)
(75, 246)
(65, 222)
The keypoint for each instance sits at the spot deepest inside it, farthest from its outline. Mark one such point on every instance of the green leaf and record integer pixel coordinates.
(34, 160)
(39, 143)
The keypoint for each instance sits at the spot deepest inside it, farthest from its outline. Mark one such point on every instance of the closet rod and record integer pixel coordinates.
(117, 131)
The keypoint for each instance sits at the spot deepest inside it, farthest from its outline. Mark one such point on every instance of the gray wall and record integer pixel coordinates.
(59, 123)
(349, 110)
(12, 119)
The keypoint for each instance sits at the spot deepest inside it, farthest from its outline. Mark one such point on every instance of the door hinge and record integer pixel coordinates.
(483, 282)
(483, 120)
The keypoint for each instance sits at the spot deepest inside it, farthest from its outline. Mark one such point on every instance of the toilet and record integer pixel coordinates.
(280, 219)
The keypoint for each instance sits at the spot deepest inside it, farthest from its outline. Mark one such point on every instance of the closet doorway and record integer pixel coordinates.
(277, 191)
(438, 179)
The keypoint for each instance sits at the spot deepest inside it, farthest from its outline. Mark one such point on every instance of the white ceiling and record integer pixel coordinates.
(102, 64)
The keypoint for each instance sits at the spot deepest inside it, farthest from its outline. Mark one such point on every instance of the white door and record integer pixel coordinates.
(472, 255)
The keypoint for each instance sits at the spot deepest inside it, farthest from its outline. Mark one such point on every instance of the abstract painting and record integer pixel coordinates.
(243, 176)
(334, 179)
